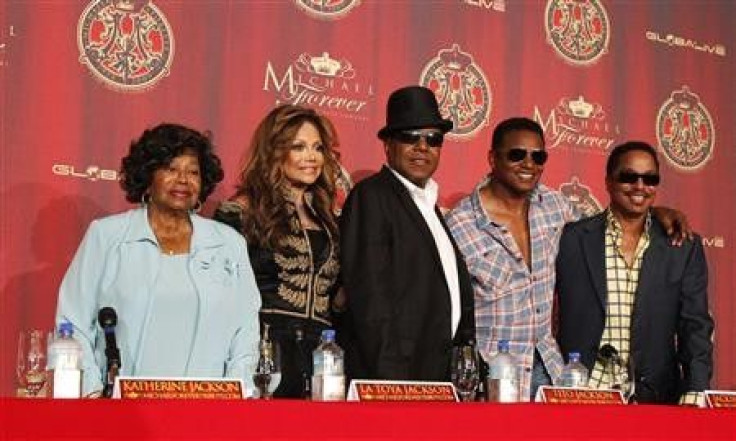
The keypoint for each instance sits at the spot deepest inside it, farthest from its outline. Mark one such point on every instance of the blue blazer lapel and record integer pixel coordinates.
(594, 248)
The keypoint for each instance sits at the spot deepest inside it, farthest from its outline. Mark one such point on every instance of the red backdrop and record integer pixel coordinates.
(81, 79)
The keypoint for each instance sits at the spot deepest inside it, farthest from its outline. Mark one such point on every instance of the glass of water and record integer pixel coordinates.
(268, 370)
(30, 368)
(465, 373)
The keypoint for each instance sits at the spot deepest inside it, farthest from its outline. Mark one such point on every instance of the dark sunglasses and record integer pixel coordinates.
(649, 179)
(517, 154)
(433, 139)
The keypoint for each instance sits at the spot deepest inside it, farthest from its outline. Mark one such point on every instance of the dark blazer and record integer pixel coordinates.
(671, 326)
(399, 313)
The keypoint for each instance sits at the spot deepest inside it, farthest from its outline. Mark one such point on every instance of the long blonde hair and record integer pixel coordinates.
(263, 186)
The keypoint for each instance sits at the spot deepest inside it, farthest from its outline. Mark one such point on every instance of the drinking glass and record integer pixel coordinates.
(30, 369)
(465, 371)
(268, 370)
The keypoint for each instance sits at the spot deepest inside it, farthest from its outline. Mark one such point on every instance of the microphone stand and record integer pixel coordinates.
(631, 395)
(108, 319)
(113, 369)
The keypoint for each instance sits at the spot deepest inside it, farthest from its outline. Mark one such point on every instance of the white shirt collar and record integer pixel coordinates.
(428, 194)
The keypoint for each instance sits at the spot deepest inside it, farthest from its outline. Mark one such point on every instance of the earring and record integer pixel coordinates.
(197, 207)
(145, 197)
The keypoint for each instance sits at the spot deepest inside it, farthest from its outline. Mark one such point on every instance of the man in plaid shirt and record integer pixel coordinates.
(508, 230)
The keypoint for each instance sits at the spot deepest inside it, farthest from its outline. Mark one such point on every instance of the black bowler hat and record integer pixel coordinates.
(413, 107)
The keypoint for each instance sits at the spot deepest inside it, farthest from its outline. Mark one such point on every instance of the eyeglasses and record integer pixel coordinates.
(649, 179)
(433, 139)
(517, 154)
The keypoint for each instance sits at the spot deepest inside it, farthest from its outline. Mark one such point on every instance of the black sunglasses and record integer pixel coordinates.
(433, 139)
(649, 179)
(518, 154)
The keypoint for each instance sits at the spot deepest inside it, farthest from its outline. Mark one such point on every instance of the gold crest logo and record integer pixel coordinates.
(127, 45)
(462, 91)
(578, 30)
(685, 131)
(327, 9)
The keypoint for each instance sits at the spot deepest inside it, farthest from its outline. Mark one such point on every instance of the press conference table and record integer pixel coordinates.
(217, 420)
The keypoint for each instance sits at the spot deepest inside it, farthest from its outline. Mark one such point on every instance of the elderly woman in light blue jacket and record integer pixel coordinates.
(182, 285)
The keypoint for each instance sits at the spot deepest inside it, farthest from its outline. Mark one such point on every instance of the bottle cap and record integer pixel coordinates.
(328, 335)
(66, 329)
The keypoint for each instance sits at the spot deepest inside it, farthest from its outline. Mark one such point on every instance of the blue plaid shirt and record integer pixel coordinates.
(511, 302)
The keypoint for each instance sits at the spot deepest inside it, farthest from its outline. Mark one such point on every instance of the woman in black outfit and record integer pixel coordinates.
(284, 207)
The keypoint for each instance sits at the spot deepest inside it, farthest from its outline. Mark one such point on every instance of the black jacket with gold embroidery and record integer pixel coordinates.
(292, 281)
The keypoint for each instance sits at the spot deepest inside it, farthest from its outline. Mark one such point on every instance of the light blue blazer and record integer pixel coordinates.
(117, 264)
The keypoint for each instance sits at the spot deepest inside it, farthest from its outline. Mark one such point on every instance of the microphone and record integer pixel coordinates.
(610, 357)
(108, 320)
(609, 354)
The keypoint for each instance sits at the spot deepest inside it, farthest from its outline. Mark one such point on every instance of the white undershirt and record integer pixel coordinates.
(425, 200)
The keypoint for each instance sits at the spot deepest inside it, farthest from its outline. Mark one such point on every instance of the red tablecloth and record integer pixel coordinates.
(136, 420)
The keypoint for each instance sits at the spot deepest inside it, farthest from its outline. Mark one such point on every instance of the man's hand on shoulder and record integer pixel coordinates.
(675, 224)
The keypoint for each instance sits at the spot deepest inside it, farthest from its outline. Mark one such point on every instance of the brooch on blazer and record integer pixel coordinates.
(220, 270)
(231, 267)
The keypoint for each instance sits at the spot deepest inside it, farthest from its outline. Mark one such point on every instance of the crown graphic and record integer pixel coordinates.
(685, 99)
(125, 5)
(580, 108)
(455, 58)
(324, 65)
(580, 195)
(574, 190)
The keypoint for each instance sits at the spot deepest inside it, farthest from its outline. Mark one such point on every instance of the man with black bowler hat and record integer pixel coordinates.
(408, 290)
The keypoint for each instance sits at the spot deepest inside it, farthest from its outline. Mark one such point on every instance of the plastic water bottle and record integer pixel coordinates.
(328, 380)
(574, 374)
(65, 364)
(503, 376)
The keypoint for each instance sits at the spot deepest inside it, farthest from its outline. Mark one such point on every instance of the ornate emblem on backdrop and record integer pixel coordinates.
(126, 44)
(578, 123)
(685, 130)
(327, 9)
(462, 91)
(580, 196)
(322, 81)
(578, 30)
